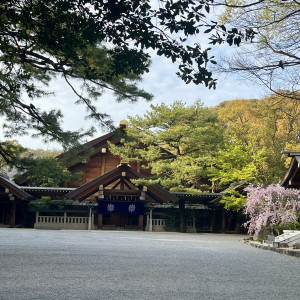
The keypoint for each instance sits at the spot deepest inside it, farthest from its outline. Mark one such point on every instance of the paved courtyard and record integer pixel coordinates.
(38, 264)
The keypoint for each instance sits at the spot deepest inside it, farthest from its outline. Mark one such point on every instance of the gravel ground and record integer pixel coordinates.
(46, 264)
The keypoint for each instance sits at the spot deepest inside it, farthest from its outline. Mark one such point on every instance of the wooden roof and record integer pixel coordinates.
(13, 188)
(46, 191)
(155, 191)
(95, 143)
(292, 176)
(203, 198)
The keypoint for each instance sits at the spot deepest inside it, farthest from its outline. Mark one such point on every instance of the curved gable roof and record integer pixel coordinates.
(155, 191)
(13, 188)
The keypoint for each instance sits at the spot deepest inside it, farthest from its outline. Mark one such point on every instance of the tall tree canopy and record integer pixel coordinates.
(255, 133)
(178, 142)
(274, 59)
(221, 148)
(265, 126)
(103, 44)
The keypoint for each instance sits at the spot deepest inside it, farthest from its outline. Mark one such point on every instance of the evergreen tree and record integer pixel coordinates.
(49, 172)
(176, 141)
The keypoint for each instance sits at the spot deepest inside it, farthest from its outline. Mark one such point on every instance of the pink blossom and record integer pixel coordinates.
(270, 206)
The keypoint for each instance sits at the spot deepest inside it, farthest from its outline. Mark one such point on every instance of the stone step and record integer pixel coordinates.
(287, 235)
(289, 239)
(280, 239)
(290, 231)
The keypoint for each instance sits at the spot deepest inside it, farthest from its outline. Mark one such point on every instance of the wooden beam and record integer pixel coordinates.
(141, 222)
(182, 215)
(122, 184)
(294, 184)
(131, 185)
(294, 175)
(13, 214)
(118, 182)
(128, 186)
(100, 221)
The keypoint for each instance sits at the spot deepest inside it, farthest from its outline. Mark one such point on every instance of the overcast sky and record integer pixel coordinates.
(161, 81)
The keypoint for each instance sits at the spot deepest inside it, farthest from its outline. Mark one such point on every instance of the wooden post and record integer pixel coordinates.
(213, 220)
(182, 215)
(93, 221)
(13, 214)
(150, 220)
(141, 222)
(100, 220)
(223, 220)
(122, 184)
(90, 218)
(37, 214)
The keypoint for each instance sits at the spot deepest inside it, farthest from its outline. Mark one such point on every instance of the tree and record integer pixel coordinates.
(178, 142)
(41, 153)
(255, 132)
(271, 208)
(273, 59)
(102, 44)
(235, 166)
(269, 125)
(10, 155)
(49, 171)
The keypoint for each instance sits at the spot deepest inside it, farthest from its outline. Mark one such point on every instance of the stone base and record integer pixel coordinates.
(67, 226)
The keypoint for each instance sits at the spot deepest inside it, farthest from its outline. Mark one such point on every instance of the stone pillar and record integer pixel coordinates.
(65, 218)
(141, 222)
(100, 220)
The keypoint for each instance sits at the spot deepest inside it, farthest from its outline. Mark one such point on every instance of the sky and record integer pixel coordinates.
(161, 81)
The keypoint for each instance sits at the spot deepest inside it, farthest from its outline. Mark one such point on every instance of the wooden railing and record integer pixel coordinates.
(63, 222)
(158, 222)
(60, 220)
(155, 224)
(190, 223)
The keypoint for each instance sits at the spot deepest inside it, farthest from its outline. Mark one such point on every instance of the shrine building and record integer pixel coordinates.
(106, 198)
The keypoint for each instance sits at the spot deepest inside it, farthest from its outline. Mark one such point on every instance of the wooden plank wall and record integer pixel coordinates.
(99, 165)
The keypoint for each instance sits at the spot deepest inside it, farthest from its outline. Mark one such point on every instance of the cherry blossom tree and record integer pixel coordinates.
(271, 207)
